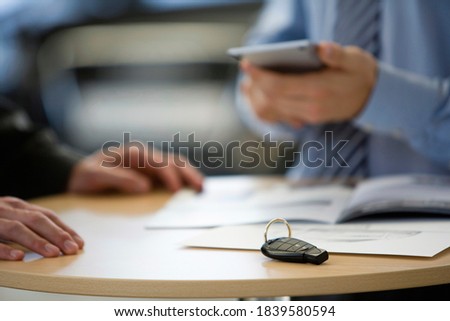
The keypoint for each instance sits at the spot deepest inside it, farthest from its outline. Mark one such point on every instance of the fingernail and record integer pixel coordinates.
(70, 246)
(199, 187)
(15, 254)
(79, 240)
(51, 249)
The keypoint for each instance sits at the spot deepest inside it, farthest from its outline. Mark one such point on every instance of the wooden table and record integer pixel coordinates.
(123, 259)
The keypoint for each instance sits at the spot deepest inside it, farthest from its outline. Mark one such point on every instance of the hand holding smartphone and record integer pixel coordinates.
(287, 57)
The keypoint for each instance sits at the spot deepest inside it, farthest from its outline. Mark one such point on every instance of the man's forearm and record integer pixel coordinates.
(32, 163)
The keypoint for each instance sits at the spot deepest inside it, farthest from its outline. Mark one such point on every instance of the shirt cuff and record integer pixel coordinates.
(402, 103)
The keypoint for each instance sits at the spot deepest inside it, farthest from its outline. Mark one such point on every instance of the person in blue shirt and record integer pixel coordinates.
(396, 92)
(398, 95)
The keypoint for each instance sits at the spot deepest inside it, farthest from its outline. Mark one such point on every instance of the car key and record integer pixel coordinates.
(290, 249)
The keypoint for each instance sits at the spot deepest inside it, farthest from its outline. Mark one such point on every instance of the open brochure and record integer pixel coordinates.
(247, 200)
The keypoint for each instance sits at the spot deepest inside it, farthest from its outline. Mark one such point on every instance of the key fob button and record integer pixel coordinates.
(314, 251)
(293, 250)
(284, 247)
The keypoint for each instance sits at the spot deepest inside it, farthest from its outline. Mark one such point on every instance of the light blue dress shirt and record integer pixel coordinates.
(408, 113)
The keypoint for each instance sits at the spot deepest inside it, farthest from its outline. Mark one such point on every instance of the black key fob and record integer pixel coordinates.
(293, 250)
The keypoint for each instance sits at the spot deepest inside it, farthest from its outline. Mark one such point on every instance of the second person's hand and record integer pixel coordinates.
(131, 170)
(336, 93)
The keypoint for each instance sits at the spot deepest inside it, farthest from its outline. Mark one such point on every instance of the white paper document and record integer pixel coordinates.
(244, 200)
(413, 238)
(231, 203)
(234, 200)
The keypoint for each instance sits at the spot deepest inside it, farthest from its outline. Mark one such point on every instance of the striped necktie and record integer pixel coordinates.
(357, 23)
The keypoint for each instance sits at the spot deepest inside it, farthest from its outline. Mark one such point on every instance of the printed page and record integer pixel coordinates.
(237, 200)
(415, 238)
(402, 193)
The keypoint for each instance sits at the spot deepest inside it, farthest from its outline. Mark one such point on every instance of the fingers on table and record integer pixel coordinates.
(39, 231)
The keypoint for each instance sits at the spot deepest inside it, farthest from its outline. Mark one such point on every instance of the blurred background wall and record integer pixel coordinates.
(96, 69)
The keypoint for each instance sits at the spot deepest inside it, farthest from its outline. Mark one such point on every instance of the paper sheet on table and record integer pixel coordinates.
(409, 238)
(246, 200)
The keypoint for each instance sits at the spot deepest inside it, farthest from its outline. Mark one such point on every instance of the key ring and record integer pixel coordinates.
(277, 220)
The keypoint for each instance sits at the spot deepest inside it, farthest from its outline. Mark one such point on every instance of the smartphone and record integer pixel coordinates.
(287, 57)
